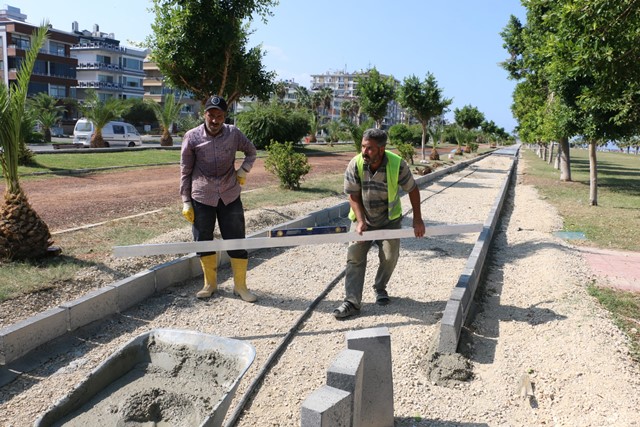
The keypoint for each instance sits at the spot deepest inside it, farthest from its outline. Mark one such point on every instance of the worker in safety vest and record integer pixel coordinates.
(372, 182)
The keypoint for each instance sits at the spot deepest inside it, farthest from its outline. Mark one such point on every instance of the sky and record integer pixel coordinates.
(458, 41)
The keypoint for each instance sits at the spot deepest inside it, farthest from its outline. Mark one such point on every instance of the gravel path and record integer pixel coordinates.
(535, 319)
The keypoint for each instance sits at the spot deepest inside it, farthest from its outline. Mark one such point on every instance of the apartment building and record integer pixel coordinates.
(106, 67)
(55, 68)
(344, 86)
(155, 89)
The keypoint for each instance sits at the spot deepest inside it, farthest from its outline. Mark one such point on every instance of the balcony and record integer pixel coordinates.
(99, 46)
(98, 66)
(91, 84)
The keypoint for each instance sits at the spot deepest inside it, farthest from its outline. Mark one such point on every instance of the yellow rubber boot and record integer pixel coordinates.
(239, 267)
(209, 265)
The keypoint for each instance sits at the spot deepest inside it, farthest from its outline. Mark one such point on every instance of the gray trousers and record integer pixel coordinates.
(388, 253)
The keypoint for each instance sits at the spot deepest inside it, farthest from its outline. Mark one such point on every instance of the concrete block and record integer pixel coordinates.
(134, 289)
(345, 373)
(320, 217)
(194, 265)
(92, 306)
(377, 383)
(172, 272)
(450, 327)
(333, 213)
(326, 407)
(18, 339)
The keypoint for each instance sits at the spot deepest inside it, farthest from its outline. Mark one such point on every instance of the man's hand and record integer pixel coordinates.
(418, 227)
(360, 227)
(241, 176)
(187, 212)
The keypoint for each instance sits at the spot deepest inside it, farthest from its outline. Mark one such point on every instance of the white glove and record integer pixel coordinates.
(187, 212)
(241, 176)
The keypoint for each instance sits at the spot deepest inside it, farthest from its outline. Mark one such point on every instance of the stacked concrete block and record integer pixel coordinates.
(363, 371)
(377, 380)
(326, 407)
(345, 373)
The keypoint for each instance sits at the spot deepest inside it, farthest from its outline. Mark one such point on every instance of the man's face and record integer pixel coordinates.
(214, 119)
(371, 152)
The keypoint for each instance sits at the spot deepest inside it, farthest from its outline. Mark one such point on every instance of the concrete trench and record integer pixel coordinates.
(20, 343)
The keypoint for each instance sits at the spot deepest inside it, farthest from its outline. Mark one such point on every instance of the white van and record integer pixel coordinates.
(114, 133)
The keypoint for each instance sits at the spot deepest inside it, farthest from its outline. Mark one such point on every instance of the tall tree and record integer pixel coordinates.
(547, 119)
(23, 234)
(375, 92)
(589, 73)
(594, 70)
(424, 101)
(469, 117)
(201, 47)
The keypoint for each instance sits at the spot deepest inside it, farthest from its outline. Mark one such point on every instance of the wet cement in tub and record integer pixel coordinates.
(179, 387)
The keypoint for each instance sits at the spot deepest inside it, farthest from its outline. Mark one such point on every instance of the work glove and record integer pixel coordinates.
(241, 176)
(187, 212)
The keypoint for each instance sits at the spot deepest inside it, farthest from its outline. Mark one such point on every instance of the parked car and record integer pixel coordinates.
(114, 133)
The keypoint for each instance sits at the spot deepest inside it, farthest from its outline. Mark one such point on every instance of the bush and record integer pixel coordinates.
(286, 164)
(406, 151)
(264, 123)
(400, 134)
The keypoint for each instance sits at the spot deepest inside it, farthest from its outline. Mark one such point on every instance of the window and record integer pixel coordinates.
(57, 91)
(118, 129)
(103, 59)
(131, 64)
(61, 70)
(21, 42)
(40, 67)
(131, 82)
(56, 48)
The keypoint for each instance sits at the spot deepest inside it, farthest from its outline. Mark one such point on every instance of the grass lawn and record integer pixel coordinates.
(614, 223)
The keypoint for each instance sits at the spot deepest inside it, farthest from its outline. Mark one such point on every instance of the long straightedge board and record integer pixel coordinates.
(268, 242)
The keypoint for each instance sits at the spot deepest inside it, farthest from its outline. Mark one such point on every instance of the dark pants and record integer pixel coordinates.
(230, 222)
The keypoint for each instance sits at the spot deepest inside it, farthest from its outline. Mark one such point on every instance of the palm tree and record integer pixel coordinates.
(303, 98)
(350, 109)
(100, 113)
(47, 112)
(435, 132)
(166, 115)
(23, 234)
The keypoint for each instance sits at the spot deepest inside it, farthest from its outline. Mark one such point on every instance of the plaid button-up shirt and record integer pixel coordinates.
(207, 164)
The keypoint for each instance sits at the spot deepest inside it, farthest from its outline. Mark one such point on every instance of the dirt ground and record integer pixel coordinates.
(74, 200)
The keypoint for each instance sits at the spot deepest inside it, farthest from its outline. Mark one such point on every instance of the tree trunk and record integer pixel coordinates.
(565, 159)
(593, 175)
(424, 142)
(23, 235)
(96, 140)
(551, 145)
(166, 140)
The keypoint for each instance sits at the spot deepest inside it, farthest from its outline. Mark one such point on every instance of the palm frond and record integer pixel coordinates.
(13, 110)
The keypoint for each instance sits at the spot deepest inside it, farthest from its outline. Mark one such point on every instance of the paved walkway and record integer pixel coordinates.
(621, 269)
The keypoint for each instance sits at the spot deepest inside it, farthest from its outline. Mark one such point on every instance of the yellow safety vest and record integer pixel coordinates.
(393, 172)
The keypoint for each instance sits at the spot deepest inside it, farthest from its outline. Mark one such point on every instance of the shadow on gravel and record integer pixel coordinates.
(480, 346)
(419, 421)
